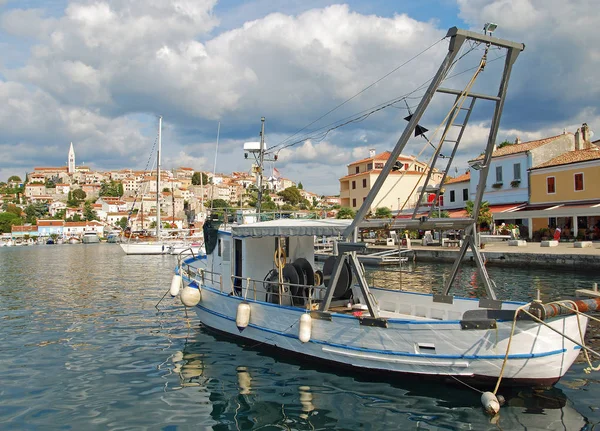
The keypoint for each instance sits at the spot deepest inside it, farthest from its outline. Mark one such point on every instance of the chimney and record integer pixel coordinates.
(585, 132)
(578, 139)
(517, 141)
(372, 152)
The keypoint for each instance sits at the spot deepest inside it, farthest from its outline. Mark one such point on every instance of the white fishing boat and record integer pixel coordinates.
(260, 283)
(90, 238)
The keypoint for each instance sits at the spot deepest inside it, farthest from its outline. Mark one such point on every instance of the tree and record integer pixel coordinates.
(14, 178)
(199, 178)
(291, 195)
(79, 195)
(345, 213)
(122, 223)
(166, 189)
(35, 211)
(383, 212)
(218, 203)
(88, 212)
(268, 205)
(7, 220)
(300, 186)
(112, 188)
(485, 214)
(505, 144)
(12, 208)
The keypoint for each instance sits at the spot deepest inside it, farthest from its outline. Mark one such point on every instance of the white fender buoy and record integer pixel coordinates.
(242, 318)
(190, 296)
(175, 285)
(490, 403)
(305, 328)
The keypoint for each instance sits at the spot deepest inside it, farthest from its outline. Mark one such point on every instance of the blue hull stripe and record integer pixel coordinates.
(390, 352)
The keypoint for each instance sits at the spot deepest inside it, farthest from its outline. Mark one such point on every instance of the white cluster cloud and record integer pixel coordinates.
(99, 74)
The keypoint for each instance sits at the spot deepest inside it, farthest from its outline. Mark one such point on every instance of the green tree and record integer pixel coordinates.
(88, 212)
(345, 213)
(287, 207)
(7, 220)
(485, 214)
(122, 223)
(505, 144)
(112, 188)
(33, 212)
(12, 208)
(268, 204)
(79, 195)
(383, 212)
(166, 189)
(291, 195)
(300, 186)
(199, 178)
(218, 203)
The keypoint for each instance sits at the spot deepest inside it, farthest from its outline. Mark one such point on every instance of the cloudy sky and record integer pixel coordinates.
(98, 73)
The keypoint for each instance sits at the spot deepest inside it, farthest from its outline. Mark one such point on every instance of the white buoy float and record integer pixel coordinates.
(242, 318)
(190, 296)
(304, 330)
(175, 285)
(490, 403)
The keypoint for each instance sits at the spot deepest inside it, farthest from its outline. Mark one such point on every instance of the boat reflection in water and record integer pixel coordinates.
(248, 390)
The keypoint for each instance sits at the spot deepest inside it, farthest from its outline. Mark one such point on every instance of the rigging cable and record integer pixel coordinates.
(360, 92)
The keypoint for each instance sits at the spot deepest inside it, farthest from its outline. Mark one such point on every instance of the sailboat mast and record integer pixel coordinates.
(158, 223)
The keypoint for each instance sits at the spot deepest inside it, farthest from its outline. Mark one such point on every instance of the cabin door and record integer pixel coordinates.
(237, 266)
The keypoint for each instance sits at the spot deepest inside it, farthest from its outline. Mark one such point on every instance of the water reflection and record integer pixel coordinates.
(251, 390)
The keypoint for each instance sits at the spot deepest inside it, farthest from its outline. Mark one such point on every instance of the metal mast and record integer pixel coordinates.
(347, 251)
(158, 223)
(261, 160)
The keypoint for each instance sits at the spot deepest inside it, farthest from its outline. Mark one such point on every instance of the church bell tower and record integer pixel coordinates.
(71, 167)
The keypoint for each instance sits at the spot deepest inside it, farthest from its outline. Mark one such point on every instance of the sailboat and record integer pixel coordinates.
(158, 244)
(260, 283)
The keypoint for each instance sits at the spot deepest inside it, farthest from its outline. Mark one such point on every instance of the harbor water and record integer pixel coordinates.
(84, 347)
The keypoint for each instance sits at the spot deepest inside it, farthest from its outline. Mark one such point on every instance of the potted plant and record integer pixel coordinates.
(497, 185)
(515, 183)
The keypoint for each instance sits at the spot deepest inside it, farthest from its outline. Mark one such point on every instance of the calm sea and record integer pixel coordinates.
(83, 347)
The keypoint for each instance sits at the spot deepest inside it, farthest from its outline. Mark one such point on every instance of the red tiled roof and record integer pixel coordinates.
(378, 171)
(572, 157)
(50, 223)
(381, 156)
(459, 179)
(523, 147)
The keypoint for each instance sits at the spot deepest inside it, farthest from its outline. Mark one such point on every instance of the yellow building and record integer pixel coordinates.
(400, 189)
(564, 194)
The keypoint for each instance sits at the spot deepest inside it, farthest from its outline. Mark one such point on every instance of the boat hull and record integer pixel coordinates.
(144, 248)
(441, 349)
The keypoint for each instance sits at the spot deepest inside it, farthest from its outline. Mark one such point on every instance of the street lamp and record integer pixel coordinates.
(489, 27)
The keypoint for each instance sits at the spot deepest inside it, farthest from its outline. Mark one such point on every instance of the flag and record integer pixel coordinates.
(276, 173)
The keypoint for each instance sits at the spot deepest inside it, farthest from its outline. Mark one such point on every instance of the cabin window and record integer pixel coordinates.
(452, 198)
(465, 194)
(517, 171)
(364, 183)
(353, 185)
(226, 251)
(369, 166)
(354, 203)
(578, 182)
(357, 169)
(498, 174)
(550, 185)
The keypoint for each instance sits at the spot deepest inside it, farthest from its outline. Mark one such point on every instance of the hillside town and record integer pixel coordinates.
(536, 186)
